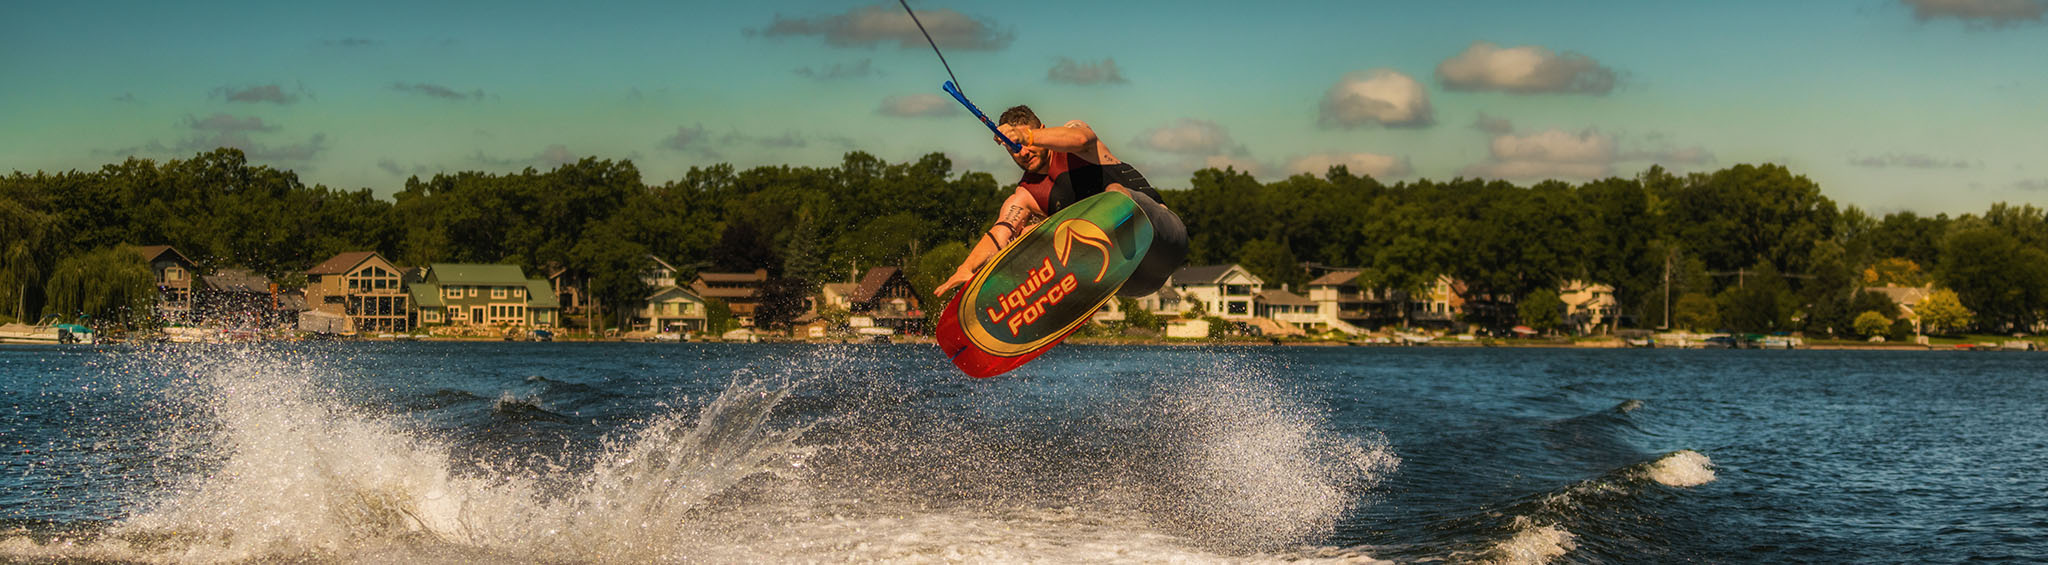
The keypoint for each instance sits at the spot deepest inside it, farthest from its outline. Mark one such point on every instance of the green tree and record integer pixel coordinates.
(1872, 323)
(718, 317)
(24, 254)
(1273, 263)
(110, 284)
(1697, 312)
(1943, 313)
(1541, 310)
(1136, 316)
(1993, 275)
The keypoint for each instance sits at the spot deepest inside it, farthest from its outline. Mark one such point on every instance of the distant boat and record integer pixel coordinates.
(48, 332)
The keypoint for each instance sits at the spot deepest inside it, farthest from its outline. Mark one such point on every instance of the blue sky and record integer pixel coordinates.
(1924, 105)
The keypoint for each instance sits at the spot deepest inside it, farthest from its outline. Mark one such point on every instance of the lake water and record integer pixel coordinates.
(571, 452)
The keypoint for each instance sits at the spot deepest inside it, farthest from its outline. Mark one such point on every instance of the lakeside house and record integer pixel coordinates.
(1587, 305)
(483, 296)
(1908, 299)
(243, 298)
(1225, 291)
(1348, 305)
(363, 287)
(672, 310)
(885, 299)
(740, 291)
(1290, 313)
(175, 280)
(568, 290)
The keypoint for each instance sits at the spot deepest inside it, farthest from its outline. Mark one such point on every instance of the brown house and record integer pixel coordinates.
(242, 298)
(740, 291)
(175, 281)
(363, 286)
(885, 299)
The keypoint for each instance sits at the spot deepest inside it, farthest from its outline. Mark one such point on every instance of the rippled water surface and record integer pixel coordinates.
(489, 452)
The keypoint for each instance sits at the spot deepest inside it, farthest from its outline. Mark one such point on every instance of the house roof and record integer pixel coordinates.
(674, 292)
(471, 273)
(660, 263)
(1210, 274)
(1335, 278)
(238, 280)
(150, 253)
(876, 279)
(1284, 298)
(841, 289)
(1907, 296)
(341, 263)
(539, 294)
(425, 295)
(757, 276)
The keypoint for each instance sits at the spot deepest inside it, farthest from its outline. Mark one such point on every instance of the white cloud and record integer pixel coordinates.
(1366, 164)
(1069, 71)
(1993, 13)
(841, 71)
(1909, 161)
(1188, 136)
(1493, 125)
(1528, 69)
(872, 25)
(2031, 184)
(686, 138)
(1381, 96)
(228, 123)
(1551, 154)
(922, 105)
(1586, 155)
(1557, 146)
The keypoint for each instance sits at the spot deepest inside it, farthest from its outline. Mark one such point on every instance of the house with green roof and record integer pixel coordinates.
(483, 296)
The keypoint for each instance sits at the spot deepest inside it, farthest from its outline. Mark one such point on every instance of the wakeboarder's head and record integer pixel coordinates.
(1032, 158)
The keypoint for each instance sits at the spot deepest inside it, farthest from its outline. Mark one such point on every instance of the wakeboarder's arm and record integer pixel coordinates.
(1074, 137)
(1019, 213)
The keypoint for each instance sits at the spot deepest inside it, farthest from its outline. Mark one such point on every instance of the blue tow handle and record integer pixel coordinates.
(955, 91)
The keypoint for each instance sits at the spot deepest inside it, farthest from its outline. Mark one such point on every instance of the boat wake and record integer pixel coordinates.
(294, 471)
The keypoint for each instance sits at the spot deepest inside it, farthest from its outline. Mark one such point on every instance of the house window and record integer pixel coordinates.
(174, 273)
(1238, 308)
(430, 316)
(472, 292)
(1237, 289)
(497, 292)
(453, 292)
(519, 293)
(455, 314)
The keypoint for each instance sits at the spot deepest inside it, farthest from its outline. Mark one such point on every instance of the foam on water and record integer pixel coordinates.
(1682, 468)
(295, 473)
(1532, 544)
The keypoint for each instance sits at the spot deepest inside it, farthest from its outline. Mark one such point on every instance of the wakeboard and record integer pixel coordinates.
(1044, 285)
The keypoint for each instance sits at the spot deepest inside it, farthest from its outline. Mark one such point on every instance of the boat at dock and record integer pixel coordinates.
(46, 332)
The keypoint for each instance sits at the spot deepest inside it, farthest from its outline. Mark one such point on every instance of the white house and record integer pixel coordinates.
(1227, 291)
(1587, 305)
(1293, 312)
(672, 309)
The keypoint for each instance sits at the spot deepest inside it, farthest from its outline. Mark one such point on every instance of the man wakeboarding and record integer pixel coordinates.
(1063, 165)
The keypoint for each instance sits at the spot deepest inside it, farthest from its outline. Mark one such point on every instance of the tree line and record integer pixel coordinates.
(1748, 247)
